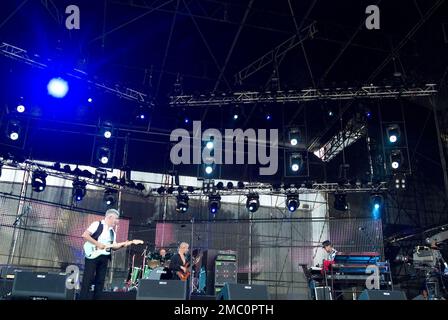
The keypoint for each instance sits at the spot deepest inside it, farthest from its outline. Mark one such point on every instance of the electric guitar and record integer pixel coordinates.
(185, 275)
(92, 252)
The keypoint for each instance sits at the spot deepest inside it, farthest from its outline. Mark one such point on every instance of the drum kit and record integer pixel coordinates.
(154, 267)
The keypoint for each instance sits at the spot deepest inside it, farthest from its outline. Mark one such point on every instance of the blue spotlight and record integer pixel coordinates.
(377, 201)
(107, 134)
(90, 100)
(20, 108)
(186, 120)
(57, 87)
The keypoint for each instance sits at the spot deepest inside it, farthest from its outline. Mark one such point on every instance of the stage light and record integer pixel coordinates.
(14, 136)
(396, 159)
(39, 180)
(393, 133)
(292, 202)
(107, 134)
(209, 169)
(142, 113)
(236, 113)
(20, 108)
(214, 203)
(104, 155)
(182, 203)
(79, 189)
(100, 176)
(110, 197)
(253, 202)
(377, 203)
(220, 185)
(400, 181)
(294, 136)
(57, 87)
(107, 130)
(186, 120)
(295, 162)
(13, 130)
(90, 100)
(229, 185)
(340, 202)
(161, 190)
(240, 185)
(268, 116)
(209, 145)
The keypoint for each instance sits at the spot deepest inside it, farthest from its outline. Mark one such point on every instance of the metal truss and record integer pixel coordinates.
(260, 188)
(372, 92)
(269, 189)
(277, 53)
(19, 54)
(354, 131)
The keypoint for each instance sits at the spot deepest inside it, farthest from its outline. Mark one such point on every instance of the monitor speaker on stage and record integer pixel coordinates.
(382, 295)
(39, 286)
(162, 290)
(234, 291)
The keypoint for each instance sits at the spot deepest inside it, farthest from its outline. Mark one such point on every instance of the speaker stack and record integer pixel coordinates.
(162, 290)
(40, 286)
(234, 291)
(382, 295)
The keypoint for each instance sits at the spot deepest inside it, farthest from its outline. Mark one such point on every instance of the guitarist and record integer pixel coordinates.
(179, 262)
(102, 235)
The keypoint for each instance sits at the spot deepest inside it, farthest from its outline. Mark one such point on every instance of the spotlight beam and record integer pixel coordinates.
(20, 54)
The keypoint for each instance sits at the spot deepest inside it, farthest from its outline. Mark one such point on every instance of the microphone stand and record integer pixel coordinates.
(191, 256)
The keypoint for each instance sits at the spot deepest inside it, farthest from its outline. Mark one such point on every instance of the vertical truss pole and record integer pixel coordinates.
(441, 151)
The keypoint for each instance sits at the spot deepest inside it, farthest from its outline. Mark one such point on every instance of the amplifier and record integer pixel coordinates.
(39, 286)
(225, 272)
(162, 290)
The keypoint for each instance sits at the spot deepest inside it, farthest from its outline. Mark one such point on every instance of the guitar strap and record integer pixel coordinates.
(98, 231)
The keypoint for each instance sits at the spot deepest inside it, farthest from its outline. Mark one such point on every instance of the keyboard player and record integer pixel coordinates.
(328, 258)
(329, 249)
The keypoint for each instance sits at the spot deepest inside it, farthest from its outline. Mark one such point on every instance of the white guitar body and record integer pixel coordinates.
(91, 251)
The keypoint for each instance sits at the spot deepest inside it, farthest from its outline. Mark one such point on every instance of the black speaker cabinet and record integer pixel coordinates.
(234, 291)
(39, 286)
(162, 290)
(382, 295)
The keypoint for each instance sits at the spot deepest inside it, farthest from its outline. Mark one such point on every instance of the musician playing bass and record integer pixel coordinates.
(179, 263)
